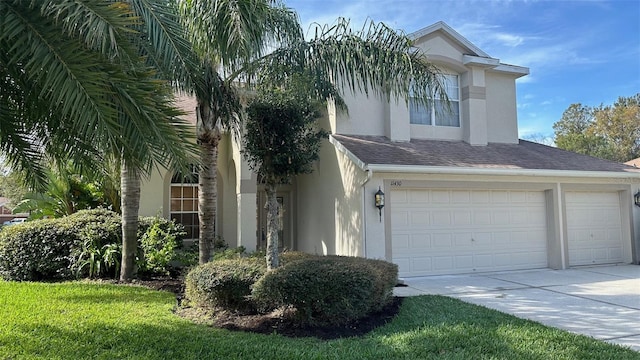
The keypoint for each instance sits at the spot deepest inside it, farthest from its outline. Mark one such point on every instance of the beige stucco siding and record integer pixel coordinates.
(329, 203)
(153, 194)
(365, 116)
(227, 200)
(444, 47)
(502, 124)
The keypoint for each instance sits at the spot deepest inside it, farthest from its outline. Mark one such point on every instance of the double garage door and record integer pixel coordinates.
(452, 231)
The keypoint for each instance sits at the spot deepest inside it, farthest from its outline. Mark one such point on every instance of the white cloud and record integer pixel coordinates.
(509, 39)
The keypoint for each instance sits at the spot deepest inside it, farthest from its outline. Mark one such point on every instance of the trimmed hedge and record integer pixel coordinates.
(47, 249)
(224, 283)
(86, 243)
(288, 257)
(330, 290)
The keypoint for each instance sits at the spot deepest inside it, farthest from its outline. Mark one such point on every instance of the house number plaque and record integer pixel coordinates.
(396, 183)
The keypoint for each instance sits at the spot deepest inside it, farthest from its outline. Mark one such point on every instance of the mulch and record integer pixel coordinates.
(280, 321)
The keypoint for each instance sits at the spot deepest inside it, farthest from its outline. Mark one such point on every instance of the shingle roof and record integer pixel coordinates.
(379, 150)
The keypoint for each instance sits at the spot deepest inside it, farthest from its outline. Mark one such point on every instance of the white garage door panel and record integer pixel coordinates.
(461, 231)
(594, 228)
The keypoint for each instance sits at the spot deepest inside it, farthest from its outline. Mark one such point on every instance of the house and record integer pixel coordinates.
(6, 213)
(462, 193)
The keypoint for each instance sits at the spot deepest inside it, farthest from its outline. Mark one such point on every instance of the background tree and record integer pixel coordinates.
(574, 132)
(12, 187)
(620, 125)
(608, 132)
(232, 38)
(281, 141)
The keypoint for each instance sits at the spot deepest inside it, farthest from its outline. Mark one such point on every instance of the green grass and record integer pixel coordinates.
(87, 320)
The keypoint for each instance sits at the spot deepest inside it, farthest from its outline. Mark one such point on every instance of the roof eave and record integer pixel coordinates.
(343, 149)
(413, 169)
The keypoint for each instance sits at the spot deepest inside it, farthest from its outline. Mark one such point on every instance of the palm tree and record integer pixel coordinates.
(74, 85)
(227, 34)
(234, 36)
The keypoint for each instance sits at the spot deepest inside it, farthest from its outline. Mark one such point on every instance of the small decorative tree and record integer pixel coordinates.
(280, 142)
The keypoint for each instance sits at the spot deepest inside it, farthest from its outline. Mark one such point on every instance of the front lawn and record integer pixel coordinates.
(78, 320)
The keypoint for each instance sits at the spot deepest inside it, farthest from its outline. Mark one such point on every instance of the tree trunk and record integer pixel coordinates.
(208, 139)
(272, 227)
(130, 203)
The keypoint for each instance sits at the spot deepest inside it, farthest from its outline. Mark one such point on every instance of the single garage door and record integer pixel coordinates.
(594, 228)
(450, 231)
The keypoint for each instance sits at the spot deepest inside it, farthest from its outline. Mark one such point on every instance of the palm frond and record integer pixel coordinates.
(376, 60)
(102, 26)
(232, 32)
(165, 43)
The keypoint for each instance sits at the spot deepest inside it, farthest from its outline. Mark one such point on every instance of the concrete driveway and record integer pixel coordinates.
(602, 302)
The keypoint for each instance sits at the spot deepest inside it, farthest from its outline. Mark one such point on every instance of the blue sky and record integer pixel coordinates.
(577, 51)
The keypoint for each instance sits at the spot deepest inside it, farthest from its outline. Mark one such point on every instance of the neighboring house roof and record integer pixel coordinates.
(378, 150)
(634, 162)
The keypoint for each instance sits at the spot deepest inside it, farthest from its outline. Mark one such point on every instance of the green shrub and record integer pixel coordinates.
(95, 260)
(99, 234)
(386, 276)
(187, 256)
(227, 254)
(158, 241)
(328, 290)
(84, 244)
(288, 257)
(224, 283)
(51, 249)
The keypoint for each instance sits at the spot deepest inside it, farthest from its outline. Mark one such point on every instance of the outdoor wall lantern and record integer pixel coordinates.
(380, 201)
(636, 198)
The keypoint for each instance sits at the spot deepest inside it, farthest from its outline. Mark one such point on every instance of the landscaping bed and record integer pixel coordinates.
(279, 321)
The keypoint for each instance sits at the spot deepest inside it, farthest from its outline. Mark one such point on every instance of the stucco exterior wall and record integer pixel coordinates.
(227, 202)
(365, 116)
(439, 44)
(154, 194)
(329, 206)
(502, 124)
(487, 102)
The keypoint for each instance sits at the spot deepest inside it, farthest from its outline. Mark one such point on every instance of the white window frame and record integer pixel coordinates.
(435, 112)
(177, 214)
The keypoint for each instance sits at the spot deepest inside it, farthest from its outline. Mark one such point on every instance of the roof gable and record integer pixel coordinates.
(451, 34)
(466, 53)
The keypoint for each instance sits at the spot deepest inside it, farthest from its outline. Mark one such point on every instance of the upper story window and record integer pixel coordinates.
(438, 113)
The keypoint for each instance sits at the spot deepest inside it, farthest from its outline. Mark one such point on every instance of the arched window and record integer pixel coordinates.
(184, 202)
